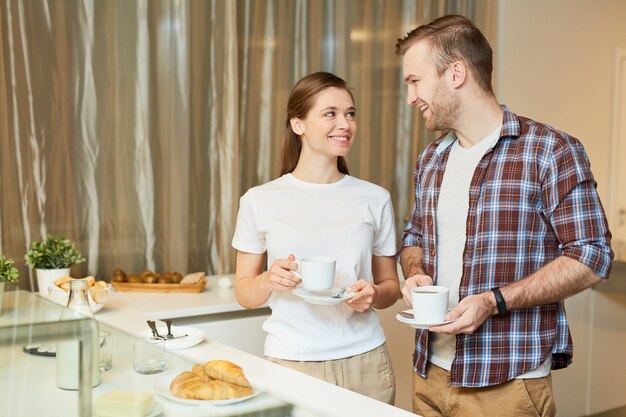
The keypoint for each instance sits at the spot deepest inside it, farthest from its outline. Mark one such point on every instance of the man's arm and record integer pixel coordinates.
(558, 280)
(412, 263)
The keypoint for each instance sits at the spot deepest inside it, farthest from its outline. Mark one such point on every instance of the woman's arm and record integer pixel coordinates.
(253, 286)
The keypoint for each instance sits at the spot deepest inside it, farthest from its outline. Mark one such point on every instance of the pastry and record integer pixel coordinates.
(199, 370)
(91, 281)
(190, 385)
(193, 278)
(63, 283)
(226, 371)
(99, 296)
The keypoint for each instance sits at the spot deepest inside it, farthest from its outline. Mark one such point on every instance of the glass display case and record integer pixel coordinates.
(26, 320)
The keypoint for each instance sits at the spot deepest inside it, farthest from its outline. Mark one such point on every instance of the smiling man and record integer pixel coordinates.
(508, 218)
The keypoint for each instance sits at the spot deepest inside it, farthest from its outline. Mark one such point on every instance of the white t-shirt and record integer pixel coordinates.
(350, 220)
(452, 209)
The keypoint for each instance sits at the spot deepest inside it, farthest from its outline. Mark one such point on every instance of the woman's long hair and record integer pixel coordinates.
(301, 100)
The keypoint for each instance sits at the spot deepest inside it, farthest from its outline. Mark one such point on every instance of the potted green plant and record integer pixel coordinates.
(52, 259)
(8, 273)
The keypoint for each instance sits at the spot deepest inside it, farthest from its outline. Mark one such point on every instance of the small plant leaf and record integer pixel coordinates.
(8, 273)
(56, 252)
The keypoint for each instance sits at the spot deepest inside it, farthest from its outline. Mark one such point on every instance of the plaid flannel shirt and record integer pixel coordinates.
(532, 199)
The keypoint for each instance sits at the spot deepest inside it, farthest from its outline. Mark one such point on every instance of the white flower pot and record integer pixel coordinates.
(45, 278)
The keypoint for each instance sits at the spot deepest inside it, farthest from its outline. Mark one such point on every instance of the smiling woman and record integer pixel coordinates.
(340, 228)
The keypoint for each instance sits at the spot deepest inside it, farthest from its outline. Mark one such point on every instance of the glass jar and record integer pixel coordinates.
(67, 356)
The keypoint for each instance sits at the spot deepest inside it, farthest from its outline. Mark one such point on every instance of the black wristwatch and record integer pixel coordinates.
(499, 301)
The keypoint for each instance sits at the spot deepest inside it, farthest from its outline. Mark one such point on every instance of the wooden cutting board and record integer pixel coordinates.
(142, 287)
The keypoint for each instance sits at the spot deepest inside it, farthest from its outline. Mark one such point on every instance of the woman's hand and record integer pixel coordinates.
(279, 276)
(363, 297)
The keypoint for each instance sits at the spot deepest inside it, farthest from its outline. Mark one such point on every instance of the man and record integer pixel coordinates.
(507, 217)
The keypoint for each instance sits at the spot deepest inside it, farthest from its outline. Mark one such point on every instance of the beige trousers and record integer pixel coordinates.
(369, 373)
(434, 397)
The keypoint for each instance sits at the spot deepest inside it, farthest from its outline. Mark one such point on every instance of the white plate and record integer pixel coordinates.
(162, 387)
(324, 298)
(156, 411)
(415, 324)
(194, 336)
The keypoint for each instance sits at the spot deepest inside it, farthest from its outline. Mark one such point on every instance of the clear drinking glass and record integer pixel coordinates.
(106, 351)
(148, 355)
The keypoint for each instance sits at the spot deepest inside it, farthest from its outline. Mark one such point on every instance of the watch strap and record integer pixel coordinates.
(500, 303)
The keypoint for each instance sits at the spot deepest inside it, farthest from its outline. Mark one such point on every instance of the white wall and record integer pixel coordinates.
(553, 63)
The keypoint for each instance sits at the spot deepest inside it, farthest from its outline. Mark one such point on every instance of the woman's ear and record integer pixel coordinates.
(296, 126)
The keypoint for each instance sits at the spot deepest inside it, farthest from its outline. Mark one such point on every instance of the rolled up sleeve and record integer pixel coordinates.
(575, 211)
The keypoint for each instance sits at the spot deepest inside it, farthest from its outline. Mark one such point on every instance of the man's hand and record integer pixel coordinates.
(468, 315)
(412, 282)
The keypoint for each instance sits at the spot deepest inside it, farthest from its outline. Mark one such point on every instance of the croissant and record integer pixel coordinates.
(226, 371)
(192, 386)
(199, 370)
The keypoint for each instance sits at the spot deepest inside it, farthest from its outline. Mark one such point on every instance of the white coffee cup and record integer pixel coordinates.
(430, 303)
(316, 273)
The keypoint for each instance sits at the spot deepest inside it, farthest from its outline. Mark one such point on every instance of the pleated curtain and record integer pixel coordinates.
(133, 126)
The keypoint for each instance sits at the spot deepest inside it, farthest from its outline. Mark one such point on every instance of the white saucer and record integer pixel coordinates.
(162, 387)
(324, 298)
(413, 323)
(194, 336)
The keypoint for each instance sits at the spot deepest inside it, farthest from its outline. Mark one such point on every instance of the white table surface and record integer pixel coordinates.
(213, 300)
(127, 313)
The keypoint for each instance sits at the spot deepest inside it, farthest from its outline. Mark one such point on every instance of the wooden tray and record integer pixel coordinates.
(141, 287)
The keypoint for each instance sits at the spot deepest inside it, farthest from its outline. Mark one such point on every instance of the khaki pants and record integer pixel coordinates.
(434, 397)
(369, 373)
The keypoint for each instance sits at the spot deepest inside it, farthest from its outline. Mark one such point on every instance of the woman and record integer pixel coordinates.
(316, 209)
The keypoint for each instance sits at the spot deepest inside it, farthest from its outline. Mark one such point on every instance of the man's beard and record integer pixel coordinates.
(444, 109)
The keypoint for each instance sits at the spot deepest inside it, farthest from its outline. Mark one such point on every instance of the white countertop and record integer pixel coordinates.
(127, 312)
(213, 300)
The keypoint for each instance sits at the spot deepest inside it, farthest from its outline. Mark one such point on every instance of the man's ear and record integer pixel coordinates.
(296, 125)
(459, 73)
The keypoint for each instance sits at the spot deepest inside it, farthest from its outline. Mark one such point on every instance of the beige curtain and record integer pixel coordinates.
(133, 127)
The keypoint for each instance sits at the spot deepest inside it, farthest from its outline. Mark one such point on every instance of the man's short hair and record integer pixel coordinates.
(454, 38)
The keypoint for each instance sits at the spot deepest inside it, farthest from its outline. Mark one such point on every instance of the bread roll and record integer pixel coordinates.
(63, 283)
(226, 371)
(193, 278)
(97, 294)
(102, 284)
(191, 386)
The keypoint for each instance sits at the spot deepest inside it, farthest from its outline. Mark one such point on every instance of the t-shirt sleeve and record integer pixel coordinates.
(247, 236)
(385, 238)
